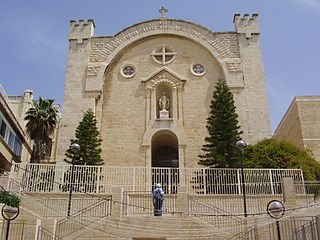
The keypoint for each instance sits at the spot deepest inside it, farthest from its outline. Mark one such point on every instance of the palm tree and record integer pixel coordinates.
(42, 119)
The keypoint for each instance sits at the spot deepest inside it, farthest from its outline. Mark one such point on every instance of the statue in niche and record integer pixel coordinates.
(164, 102)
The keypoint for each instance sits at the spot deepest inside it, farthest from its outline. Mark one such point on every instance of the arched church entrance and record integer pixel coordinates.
(165, 160)
(165, 150)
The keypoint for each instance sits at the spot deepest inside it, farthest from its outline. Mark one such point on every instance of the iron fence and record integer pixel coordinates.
(101, 179)
(16, 229)
(44, 234)
(141, 203)
(85, 217)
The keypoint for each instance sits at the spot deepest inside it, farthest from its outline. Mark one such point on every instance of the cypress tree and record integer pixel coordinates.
(87, 136)
(222, 125)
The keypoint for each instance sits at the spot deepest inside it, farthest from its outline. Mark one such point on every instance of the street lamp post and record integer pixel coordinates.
(75, 148)
(276, 209)
(9, 213)
(241, 145)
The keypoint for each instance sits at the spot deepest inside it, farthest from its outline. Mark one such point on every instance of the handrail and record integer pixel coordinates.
(224, 213)
(81, 219)
(44, 233)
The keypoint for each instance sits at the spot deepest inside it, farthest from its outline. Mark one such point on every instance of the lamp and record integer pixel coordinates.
(9, 213)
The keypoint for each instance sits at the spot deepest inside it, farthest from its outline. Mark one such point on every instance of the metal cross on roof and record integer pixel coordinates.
(163, 12)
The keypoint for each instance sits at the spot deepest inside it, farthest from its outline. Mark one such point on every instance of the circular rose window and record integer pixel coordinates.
(163, 55)
(197, 69)
(128, 71)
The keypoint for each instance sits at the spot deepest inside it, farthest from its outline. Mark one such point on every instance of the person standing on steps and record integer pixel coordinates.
(158, 197)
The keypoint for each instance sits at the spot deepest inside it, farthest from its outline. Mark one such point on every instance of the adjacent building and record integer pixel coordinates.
(14, 146)
(301, 124)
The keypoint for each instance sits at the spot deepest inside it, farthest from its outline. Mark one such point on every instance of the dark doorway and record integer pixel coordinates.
(165, 160)
(165, 150)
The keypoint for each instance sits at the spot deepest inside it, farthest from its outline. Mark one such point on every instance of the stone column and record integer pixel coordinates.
(182, 201)
(148, 105)
(179, 99)
(153, 107)
(117, 206)
(318, 225)
(289, 195)
(148, 167)
(181, 166)
(174, 104)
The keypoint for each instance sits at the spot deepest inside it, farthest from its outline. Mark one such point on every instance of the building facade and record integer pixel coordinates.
(14, 146)
(300, 124)
(150, 86)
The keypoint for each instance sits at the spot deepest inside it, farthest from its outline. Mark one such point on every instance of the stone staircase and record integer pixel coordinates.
(147, 227)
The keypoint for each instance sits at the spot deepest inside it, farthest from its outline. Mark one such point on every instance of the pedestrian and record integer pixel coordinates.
(158, 197)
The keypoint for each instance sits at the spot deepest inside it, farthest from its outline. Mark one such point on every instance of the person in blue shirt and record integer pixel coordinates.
(158, 197)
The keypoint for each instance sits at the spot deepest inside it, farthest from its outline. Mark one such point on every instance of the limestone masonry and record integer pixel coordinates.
(300, 124)
(122, 77)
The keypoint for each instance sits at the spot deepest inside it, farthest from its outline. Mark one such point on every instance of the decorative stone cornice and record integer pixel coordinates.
(93, 71)
(164, 76)
(224, 44)
(234, 67)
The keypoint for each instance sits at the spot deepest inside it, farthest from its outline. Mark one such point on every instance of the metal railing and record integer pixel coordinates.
(310, 190)
(101, 179)
(293, 228)
(85, 217)
(141, 203)
(249, 234)
(234, 203)
(16, 230)
(308, 231)
(213, 215)
(44, 234)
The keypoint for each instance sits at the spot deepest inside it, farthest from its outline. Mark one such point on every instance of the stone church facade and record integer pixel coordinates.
(124, 76)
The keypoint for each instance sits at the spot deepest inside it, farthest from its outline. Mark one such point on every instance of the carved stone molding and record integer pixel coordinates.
(155, 82)
(234, 67)
(164, 76)
(93, 71)
(225, 44)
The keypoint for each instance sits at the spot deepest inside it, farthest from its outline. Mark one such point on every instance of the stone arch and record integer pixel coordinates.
(164, 149)
(219, 46)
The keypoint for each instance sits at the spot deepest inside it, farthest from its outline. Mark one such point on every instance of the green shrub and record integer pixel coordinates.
(9, 199)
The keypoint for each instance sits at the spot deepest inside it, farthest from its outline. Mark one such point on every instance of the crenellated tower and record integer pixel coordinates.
(75, 99)
(82, 30)
(255, 116)
(246, 25)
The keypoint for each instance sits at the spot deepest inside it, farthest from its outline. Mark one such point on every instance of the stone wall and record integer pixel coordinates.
(300, 125)
(126, 107)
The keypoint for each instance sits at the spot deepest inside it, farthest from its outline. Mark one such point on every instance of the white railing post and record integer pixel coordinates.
(38, 224)
(55, 221)
(239, 181)
(204, 181)
(134, 179)
(98, 180)
(271, 181)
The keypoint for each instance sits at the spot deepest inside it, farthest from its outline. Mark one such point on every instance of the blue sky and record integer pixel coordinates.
(34, 45)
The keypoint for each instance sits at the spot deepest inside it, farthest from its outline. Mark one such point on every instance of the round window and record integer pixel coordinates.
(197, 69)
(128, 71)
